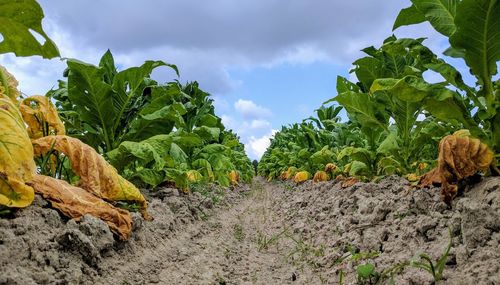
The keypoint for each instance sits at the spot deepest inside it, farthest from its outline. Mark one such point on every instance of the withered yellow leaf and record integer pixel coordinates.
(16, 157)
(301, 176)
(331, 167)
(194, 176)
(321, 176)
(234, 177)
(460, 156)
(289, 173)
(75, 202)
(41, 117)
(96, 174)
(8, 85)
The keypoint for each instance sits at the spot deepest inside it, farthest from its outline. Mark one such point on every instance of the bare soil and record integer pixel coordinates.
(264, 233)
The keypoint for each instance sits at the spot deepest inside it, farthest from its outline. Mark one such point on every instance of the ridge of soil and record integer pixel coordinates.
(264, 233)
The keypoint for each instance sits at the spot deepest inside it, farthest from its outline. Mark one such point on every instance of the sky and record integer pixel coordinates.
(267, 63)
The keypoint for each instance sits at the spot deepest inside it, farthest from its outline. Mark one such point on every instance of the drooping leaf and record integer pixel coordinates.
(440, 14)
(41, 117)
(301, 176)
(16, 157)
(96, 175)
(460, 156)
(8, 84)
(321, 176)
(76, 202)
(152, 150)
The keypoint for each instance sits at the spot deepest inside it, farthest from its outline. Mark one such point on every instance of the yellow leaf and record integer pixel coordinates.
(412, 177)
(301, 176)
(194, 176)
(8, 85)
(330, 167)
(234, 177)
(96, 174)
(289, 173)
(41, 117)
(75, 202)
(16, 157)
(320, 176)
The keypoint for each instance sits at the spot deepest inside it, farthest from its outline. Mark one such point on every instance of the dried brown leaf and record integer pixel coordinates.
(75, 202)
(460, 156)
(96, 174)
(320, 176)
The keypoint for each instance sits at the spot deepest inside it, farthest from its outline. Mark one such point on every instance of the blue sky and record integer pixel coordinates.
(266, 62)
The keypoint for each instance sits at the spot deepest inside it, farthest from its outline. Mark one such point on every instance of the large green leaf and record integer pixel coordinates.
(19, 21)
(208, 134)
(408, 16)
(92, 98)
(154, 149)
(368, 69)
(409, 88)
(364, 108)
(158, 122)
(129, 85)
(439, 13)
(478, 26)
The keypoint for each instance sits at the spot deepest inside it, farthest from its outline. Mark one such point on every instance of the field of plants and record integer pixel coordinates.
(109, 142)
(396, 118)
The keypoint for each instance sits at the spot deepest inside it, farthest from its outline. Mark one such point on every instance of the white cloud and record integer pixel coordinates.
(305, 54)
(257, 146)
(228, 122)
(248, 109)
(259, 124)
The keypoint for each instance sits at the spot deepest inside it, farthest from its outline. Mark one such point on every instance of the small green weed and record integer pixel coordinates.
(239, 234)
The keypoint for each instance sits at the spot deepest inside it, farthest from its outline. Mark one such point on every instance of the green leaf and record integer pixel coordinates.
(209, 120)
(367, 112)
(149, 176)
(154, 149)
(129, 85)
(187, 140)
(365, 271)
(368, 69)
(92, 98)
(208, 134)
(439, 13)
(160, 121)
(355, 154)
(408, 16)
(389, 145)
(409, 89)
(19, 20)
(107, 62)
(448, 107)
(478, 26)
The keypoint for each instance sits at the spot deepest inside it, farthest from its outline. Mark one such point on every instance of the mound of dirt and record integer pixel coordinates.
(40, 246)
(389, 223)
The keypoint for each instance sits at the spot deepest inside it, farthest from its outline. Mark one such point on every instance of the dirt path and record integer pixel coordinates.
(227, 248)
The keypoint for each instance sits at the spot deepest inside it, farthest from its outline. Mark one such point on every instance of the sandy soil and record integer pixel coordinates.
(264, 233)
